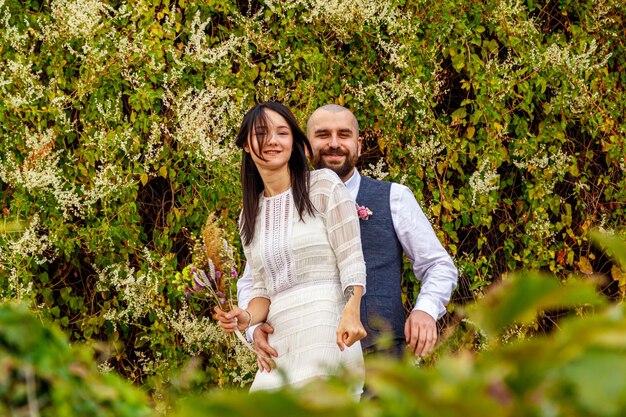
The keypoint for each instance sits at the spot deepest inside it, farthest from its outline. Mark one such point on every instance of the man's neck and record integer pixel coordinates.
(348, 176)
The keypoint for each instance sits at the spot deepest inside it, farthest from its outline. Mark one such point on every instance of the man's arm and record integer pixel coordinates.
(431, 264)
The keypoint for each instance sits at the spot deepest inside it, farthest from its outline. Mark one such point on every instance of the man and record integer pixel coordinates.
(396, 225)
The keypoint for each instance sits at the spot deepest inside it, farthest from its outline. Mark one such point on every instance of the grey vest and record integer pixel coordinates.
(381, 308)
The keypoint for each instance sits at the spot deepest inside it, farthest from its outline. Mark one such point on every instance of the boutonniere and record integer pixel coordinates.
(363, 212)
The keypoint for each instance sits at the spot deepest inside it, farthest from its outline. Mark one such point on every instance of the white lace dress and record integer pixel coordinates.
(303, 267)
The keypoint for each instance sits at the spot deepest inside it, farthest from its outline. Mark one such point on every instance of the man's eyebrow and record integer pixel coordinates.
(325, 130)
(320, 130)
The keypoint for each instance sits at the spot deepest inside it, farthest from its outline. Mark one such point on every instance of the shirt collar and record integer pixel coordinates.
(353, 183)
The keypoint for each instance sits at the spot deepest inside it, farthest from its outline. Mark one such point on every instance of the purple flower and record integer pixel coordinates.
(197, 285)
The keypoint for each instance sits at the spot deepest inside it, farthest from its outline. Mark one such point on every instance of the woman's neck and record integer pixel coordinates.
(276, 182)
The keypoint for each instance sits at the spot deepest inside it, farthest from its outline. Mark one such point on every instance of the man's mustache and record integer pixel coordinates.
(337, 152)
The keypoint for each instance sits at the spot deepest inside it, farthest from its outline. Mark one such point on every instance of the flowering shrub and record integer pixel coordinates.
(117, 123)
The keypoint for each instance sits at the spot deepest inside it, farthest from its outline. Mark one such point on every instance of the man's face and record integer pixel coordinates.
(335, 142)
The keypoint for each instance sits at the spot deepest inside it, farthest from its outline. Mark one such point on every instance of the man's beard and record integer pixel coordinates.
(341, 170)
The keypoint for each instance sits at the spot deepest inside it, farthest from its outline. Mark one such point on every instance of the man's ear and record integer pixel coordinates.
(359, 146)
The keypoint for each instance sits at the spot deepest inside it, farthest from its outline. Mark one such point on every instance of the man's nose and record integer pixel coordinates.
(334, 141)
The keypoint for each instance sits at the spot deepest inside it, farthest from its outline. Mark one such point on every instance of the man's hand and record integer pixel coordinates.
(420, 332)
(263, 350)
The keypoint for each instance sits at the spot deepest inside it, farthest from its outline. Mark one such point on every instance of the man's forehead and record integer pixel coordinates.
(324, 120)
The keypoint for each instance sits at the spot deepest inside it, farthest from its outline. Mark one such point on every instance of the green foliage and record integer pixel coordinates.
(575, 371)
(117, 119)
(42, 375)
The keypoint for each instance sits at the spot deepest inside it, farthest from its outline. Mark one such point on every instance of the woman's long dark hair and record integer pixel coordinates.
(251, 181)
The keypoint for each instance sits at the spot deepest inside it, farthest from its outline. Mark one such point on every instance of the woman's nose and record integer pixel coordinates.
(272, 137)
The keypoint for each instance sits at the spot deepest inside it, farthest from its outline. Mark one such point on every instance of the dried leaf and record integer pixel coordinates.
(585, 266)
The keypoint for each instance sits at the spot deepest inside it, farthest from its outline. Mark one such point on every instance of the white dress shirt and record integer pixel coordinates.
(431, 263)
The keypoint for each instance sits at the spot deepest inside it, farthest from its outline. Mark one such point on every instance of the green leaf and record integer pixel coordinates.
(611, 244)
(521, 297)
(459, 113)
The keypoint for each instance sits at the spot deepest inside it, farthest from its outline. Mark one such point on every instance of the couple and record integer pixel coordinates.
(301, 237)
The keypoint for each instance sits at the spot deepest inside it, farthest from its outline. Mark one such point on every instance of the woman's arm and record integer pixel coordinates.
(242, 319)
(350, 329)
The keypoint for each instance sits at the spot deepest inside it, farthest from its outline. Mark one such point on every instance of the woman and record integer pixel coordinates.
(301, 238)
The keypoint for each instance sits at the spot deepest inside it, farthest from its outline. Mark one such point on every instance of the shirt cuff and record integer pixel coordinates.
(250, 332)
(427, 306)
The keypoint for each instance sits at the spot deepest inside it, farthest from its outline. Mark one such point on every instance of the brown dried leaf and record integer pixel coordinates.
(585, 266)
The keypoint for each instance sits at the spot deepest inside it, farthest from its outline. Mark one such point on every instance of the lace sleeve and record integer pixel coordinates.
(259, 286)
(344, 234)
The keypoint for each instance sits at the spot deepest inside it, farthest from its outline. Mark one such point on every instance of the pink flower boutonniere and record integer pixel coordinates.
(363, 212)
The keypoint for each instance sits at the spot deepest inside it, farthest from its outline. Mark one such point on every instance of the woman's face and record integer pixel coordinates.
(273, 143)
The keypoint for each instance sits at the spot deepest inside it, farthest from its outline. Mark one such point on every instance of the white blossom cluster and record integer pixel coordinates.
(207, 120)
(105, 367)
(502, 76)
(543, 160)
(137, 291)
(344, 16)
(376, 171)
(18, 287)
(11, 35)
(20, 85)
(75, 18)
(34, 243)
(198, 333)
(395, 94)
(155, 365)
(563, 58)
(601, 14)
(484, 180)
(547, 166)
(41, 174)
(110, 146)
(511, 14)
(425, 152)
(198, 50)
(107, 182)
(201, 334)
(541, 228)
(579, 96)
(246, 368)
(397, 53)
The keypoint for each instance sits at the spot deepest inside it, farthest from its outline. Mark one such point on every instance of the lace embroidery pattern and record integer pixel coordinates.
(276, 251)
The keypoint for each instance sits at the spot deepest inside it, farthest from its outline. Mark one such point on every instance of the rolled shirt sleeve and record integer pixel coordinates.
(432, 264)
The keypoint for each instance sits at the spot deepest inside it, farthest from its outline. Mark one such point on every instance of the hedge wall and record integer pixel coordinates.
(117, 119)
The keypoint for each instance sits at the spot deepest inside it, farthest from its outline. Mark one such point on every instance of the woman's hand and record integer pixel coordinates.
(233, 319)
(350, 329)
